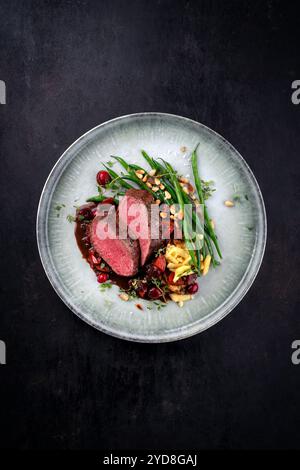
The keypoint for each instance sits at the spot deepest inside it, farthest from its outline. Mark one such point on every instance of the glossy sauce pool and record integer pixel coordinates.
(83, 242)
(82, 238)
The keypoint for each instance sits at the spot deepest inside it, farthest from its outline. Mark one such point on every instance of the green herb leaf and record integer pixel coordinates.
(70, 218)
(105, 286)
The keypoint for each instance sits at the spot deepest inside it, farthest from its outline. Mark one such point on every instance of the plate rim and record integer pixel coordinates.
(187, 331)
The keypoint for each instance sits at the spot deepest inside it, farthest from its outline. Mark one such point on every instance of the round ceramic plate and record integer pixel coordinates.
(241, 230)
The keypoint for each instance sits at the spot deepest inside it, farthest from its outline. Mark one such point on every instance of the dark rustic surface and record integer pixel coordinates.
(69, 66)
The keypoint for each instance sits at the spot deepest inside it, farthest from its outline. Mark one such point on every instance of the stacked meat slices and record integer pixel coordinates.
(126, 241)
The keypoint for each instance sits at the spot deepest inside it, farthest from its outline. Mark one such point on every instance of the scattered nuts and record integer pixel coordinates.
(173, 217)
(172, 209)
(185, 189)
(168, 195)
(145, 179)
(163, 215)
(149, 184)
(229, 203)
(139, 175)
(161, 186)
(155, 188)
(157, 181)
(139, 172)
(157, 202)
(152, 172)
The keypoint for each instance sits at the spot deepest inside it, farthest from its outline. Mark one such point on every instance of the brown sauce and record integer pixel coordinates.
(84, 245)
(83, 242)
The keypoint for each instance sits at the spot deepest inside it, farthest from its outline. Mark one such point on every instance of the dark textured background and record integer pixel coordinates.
(69, 66)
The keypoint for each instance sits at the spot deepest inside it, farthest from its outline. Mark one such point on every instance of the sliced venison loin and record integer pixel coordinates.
(122, 255)
(136, 206)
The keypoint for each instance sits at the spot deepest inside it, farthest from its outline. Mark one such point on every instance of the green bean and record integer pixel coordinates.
(201, 199)
(121, 161)
(149, 160)
(98, 198)
(115, 176)
(178, 191)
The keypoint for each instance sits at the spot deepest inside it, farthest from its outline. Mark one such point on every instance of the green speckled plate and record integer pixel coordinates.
(241, 230)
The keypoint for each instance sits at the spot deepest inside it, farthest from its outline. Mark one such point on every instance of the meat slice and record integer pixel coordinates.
(135, 213)
(122, 255)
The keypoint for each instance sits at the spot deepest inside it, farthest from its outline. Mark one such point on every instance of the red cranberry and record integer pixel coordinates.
(170, 279)
(142, 290)
(103, 178)
(193, 288)
(160, 263)
(154, 293)
(191, 279)
(153, 271)
(109, 200)
(102, 277)
(85, 213)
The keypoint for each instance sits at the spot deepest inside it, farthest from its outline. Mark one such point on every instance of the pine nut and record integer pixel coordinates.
(229, 203)
(152, 172)
(180, 215)
(163, 215)
(168, 195)
(184, 180)
(124, 296)
(190, 188)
